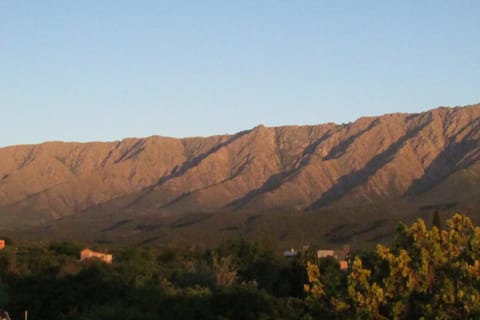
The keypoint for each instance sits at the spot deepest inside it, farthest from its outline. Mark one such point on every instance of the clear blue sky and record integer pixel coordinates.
(104, 70)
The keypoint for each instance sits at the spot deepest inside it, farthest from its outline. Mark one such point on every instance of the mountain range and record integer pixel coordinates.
(326, 183)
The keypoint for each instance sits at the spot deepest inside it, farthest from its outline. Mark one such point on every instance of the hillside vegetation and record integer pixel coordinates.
(428, 273)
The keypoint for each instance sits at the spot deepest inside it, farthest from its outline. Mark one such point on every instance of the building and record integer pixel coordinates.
(2, 244)
(342, 255)
(343, 265)
(290, 253)
(87, 254)
(326, 253)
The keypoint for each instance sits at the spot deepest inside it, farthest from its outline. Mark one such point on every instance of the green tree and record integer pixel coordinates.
(427, 274)
(224, 270)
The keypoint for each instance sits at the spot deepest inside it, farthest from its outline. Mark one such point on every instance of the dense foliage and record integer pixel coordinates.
(428, 273)
(238, 280)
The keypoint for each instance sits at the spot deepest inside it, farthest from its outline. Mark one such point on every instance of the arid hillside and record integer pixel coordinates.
(430, 159)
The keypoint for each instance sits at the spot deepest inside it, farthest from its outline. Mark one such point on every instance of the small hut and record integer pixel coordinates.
(87, 254)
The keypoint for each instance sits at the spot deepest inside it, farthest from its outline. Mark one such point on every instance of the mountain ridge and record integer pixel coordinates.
(394, 157)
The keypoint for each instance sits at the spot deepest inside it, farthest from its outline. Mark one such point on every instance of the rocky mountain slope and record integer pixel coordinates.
(430, 158)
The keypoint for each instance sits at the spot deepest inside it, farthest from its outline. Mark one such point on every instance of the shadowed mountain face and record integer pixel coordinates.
(408, 157)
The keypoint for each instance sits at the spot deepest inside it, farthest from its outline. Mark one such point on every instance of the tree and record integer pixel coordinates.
(428, 273)
(224, 270)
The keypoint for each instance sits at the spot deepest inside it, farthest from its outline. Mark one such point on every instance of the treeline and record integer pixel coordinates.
(428, 273)
(237, 280)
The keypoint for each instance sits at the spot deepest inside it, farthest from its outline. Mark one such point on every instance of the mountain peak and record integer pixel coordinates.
(384, 158)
